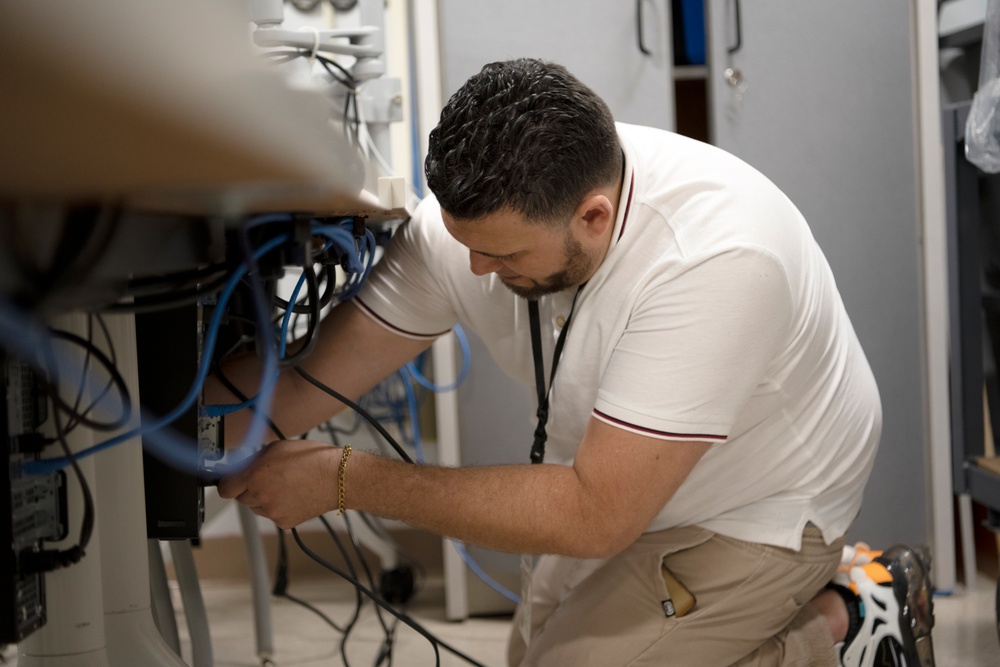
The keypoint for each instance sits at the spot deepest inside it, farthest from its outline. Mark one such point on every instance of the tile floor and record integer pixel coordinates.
(964, 635)
(965, 629)
(302, 639)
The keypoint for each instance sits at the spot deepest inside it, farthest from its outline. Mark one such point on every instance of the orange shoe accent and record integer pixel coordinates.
(863, 554)
(878, 573)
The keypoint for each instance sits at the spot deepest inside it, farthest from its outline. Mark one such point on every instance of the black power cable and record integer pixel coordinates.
(227, 383)
(280, 588)
(358, 600)
(86, 369)
(282, 575)
(281, 580)
(53, 559)
(115, 377)
(345, 78)
(385, 653)
(434, 641)
(170, 298)
(405, 619)
(323, 276)
(357, 408)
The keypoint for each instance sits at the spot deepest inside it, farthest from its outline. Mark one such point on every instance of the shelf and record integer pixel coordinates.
(961, 38)
(991, 463)
(688, 72)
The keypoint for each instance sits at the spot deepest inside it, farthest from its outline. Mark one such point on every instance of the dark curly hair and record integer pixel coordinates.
(523, 135)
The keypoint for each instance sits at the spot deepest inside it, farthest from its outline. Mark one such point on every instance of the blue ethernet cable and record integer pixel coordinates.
(345, 242)
(22, 335)
(459, 547)
(225, 409)
(479, 572)
(422, 380)
(165, 445)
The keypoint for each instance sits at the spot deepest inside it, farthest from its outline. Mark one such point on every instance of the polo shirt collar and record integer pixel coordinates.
(626, 204)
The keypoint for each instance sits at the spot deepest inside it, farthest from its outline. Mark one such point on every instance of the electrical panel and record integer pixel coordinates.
(32, 507)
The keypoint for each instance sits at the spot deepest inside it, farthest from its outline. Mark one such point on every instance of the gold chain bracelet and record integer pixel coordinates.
(341, 478)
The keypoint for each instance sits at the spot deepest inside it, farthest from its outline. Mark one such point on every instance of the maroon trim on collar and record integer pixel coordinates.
(654, 432)
(392, 327)
(628, 205)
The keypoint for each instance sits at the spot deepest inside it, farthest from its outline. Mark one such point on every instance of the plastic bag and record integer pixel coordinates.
(982, 129)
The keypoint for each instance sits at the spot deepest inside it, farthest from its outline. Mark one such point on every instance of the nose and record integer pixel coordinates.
(481, 264)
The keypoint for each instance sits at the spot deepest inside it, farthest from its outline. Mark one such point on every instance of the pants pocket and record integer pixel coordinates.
(679, 599)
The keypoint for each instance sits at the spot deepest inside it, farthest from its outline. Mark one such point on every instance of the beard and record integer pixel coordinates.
(576, 269)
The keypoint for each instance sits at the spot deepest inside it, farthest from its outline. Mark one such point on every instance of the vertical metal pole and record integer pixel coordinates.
(163, 606)
(260, 585)
(194, 605)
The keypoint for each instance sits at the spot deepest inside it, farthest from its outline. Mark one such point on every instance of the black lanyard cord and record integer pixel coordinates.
(538, 446)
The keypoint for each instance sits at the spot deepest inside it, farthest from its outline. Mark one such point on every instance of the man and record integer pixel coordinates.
(708, 427)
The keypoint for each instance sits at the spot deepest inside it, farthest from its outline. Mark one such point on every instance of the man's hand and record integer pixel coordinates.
(289, 481)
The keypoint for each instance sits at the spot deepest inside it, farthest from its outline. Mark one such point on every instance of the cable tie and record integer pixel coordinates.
(315, 48)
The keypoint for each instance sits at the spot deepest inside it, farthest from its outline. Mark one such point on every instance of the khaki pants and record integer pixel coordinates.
(749, 610)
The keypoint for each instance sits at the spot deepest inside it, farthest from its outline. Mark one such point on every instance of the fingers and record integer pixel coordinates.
(234, 485)
(238, 487)
(267, 511)
(287, 481)
(234, 479)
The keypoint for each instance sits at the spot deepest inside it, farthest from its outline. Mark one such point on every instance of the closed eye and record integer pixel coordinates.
(500, 258)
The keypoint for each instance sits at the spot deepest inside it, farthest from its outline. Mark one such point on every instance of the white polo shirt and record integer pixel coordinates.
(714, 317)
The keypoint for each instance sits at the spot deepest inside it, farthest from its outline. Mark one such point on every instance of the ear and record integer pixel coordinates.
(595, 216)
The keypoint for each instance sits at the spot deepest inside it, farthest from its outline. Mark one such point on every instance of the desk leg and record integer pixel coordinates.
(131, 634)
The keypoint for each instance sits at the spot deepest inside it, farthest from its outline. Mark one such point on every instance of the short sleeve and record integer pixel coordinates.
(407, 289)
(697, 344)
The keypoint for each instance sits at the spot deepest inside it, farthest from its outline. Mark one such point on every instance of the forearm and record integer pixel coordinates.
(617, 484)
(518, 508)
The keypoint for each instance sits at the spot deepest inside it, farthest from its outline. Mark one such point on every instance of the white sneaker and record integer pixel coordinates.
(896, 612)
